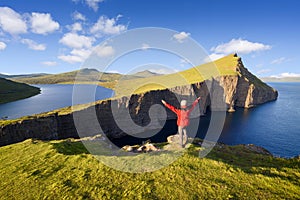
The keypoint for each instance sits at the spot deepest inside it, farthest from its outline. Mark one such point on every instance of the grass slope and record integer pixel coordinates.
(65, 170)
(224, 66)
(12, 91)
(141, 81)
(131, 84)
(146, 73)
(83, 76)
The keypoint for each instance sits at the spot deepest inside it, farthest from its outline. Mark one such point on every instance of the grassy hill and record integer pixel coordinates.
(65, 170)
(131, 84)
(83, 76)
(22, 75)
(146, 73)
(224, 66)
(12, 91)
(141, 81)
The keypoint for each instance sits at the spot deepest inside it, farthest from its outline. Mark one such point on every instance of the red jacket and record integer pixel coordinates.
(183, 115)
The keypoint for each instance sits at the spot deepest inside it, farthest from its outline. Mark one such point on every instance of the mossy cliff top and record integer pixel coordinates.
(221, 67)
(230, 65)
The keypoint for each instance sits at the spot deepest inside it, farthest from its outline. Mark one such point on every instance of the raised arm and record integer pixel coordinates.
(194, 104)
(172, 108)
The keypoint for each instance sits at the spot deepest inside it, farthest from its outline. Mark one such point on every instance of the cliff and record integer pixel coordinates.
(235, 87)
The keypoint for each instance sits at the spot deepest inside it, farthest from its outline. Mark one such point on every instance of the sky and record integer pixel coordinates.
(55, 36)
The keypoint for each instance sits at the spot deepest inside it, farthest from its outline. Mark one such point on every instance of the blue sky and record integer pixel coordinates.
(56, 36)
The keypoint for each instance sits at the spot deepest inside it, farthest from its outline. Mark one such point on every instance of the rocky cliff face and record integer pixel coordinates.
(138, 113)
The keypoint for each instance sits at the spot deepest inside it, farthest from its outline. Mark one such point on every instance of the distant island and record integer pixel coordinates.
(12, 91)
(281, 79)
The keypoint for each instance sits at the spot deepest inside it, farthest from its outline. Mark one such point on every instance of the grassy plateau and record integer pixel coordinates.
(65, 170)
(141, 81)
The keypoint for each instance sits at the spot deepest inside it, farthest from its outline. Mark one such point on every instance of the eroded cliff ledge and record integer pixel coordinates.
(239, 88)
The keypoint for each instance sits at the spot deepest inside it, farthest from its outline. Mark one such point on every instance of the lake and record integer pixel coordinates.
(274, 125)
(52, 97)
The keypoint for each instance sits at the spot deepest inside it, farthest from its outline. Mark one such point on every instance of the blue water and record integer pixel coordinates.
(52, 97)
(274, 125)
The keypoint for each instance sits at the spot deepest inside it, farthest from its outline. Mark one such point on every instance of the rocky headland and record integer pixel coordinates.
(239, 88)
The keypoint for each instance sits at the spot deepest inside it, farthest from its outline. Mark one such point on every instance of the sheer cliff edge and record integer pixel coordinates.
(232, 86)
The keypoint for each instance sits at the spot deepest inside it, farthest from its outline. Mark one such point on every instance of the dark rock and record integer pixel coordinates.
(219, 93)
(258, 149)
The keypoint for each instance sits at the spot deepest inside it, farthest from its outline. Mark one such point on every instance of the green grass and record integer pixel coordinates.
(12, 91)
(83, 76)
(142, 81)
(65, 170)
(224, 66)
(126, 85)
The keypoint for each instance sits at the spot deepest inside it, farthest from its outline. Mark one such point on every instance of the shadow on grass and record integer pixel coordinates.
(70, 148)
(240, 158)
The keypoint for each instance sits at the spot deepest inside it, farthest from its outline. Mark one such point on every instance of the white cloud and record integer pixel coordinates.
(49, 63)
(78, 16)
(70, 58)
(280, 60)
(163, 70)
(2, 46)
(33, 45)
(180, 37)
(240, 46)
(263, 71)
(184, 62)
(213, 56)
(76, 41)
(42, 23)
(145, 46)
(75, 27)
(76, 55)
(105, 51)
(106, 26)
(94, 4)
(11, 21)
(113, 71)
(286, 75)
(83, 53)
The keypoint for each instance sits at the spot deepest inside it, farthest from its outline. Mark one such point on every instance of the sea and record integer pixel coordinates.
(274, 126)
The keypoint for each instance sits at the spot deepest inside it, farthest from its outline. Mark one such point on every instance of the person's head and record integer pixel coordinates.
(183, 103)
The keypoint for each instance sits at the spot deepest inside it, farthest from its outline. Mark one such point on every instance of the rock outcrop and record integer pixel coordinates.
(134, 115)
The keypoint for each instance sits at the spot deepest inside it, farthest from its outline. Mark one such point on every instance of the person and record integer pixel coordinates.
(183, 114)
